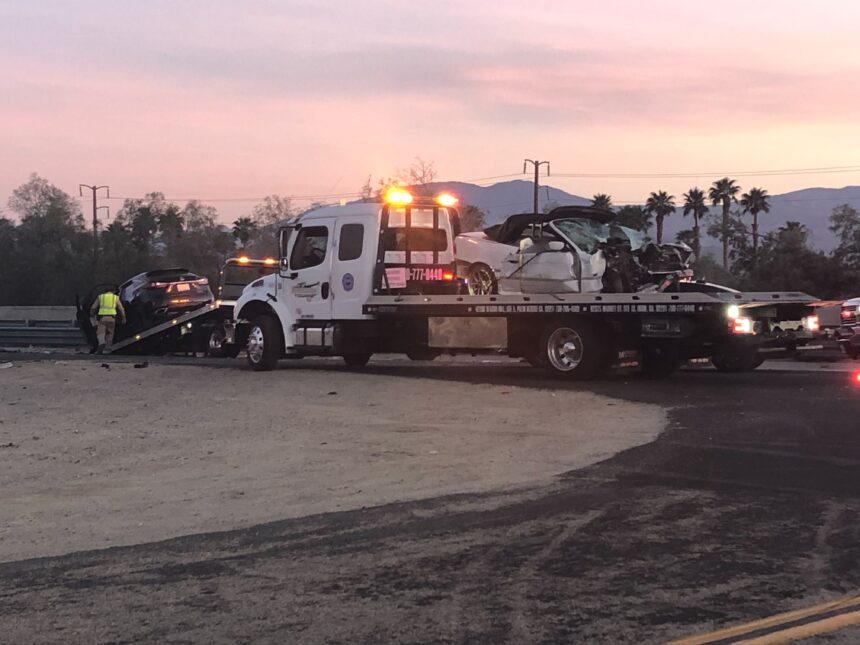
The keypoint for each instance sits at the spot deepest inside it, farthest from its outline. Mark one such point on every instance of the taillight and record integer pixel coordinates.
(448, 276)
(158, 285)
(811, 323)
(856, 378)
(201, 281)
(742, 325)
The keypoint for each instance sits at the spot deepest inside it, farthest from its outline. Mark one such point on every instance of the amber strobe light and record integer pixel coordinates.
(446, 199)
(398, 196)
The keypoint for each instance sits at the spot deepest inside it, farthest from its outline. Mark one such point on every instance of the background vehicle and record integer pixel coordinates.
(236, 274)
(848, 334)
(156, 296)
(781, 327)
(572, 249)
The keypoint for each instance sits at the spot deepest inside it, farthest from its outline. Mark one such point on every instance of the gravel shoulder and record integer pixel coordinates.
(92, 457)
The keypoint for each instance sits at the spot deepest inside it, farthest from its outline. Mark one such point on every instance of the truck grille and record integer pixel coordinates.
(850, 315)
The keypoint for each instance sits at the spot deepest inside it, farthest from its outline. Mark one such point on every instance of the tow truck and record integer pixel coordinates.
(379, 277)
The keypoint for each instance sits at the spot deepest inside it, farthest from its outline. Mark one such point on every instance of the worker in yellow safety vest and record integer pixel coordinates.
(105, 308)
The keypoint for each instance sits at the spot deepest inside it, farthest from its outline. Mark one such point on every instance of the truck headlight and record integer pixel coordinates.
(733, 311)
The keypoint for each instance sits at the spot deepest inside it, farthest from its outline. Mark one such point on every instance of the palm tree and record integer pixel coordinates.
(660, 204)
(243, 229)
(723, 192)
(755, 202)
(694, 202)
(602, 200)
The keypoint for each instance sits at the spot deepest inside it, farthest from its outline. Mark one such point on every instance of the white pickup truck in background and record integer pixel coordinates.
(848, 333)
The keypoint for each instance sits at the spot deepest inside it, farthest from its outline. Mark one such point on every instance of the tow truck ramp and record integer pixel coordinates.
(165, 326)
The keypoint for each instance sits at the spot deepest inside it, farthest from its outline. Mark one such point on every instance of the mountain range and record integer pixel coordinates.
(810, 206)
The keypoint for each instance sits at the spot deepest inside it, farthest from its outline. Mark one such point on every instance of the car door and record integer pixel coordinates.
(307, 280)
(353, 259)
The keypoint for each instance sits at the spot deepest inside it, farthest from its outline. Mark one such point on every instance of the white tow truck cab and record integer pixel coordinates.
(379, 277)
(332, 261)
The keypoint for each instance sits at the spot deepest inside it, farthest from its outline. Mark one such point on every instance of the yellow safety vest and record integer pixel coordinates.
(107, 304)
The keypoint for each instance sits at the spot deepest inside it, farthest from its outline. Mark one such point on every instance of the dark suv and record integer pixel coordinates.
(157, 296)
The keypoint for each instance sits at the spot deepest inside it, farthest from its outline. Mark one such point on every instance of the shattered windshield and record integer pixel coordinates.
(638, 239)
(586, 234)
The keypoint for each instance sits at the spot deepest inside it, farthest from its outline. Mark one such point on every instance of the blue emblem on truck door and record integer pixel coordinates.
(348, 282)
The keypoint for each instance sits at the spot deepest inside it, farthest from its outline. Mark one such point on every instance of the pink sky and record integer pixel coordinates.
(222, 100)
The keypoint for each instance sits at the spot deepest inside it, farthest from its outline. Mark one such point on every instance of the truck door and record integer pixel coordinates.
(306, 280)
(353, 261)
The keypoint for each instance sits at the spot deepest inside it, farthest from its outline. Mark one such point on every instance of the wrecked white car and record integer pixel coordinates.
(572, 249)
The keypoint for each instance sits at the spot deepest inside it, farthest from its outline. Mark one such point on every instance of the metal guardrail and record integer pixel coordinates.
(40, 327)
(20, 336)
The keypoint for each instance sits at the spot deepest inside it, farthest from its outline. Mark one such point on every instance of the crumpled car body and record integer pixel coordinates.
(572, 249)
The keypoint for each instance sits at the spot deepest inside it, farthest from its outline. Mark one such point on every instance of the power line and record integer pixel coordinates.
(479, 180)
(735, 173)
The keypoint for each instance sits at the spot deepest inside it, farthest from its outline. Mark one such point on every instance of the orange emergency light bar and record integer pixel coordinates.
(398, 196)
(446, 199)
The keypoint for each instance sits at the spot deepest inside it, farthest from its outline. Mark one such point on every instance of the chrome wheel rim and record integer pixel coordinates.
(255, 344)
(480, 281)
(564, 349)
(215, 341)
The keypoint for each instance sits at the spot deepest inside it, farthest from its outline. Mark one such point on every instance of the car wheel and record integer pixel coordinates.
(482, 281)
(357, 360)
(571, 349)
(265, 344)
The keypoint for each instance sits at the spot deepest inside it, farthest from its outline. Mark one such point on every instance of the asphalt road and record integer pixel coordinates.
(745, 507)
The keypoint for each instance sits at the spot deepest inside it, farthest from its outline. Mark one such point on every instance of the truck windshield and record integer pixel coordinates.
(239, 275)
(420, 236)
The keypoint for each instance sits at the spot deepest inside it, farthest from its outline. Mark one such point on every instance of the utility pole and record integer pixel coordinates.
(96, 207)
(537, 165)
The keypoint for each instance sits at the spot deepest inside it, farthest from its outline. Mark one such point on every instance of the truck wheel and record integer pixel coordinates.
(535, 360)
(571, 349)
(217, 348)
(732, 362)
(853, 352)
(659, 361)
(482, 282)
(357, 360)
(422, 354)
(265, 344)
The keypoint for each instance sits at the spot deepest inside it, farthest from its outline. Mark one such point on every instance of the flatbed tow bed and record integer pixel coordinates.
(165, 327)
(664, 328)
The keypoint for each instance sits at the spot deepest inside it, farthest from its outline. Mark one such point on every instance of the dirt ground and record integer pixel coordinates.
(92, 457)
